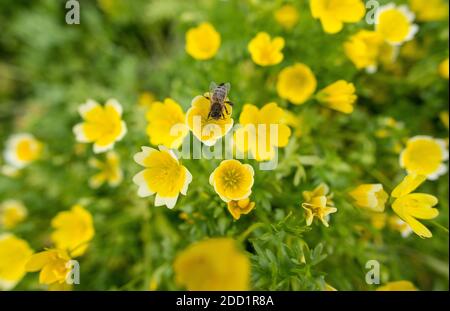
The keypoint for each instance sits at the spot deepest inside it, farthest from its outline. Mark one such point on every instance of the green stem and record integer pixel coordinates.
(249, 230)
(439, 226)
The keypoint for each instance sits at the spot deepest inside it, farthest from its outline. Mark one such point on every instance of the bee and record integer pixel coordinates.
(218, 100)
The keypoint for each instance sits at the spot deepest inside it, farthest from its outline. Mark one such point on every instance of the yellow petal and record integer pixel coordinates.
(409, 184)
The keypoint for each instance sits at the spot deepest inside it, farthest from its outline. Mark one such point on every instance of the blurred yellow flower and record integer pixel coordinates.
(241, 207)
(163, 175)
(443, 68)
(409, 206)
(339, 96)
(12, 212)
(296, 83)
(110, 171)
(73, 230)
(53, 264)
(146, 99)
(14, 253)
(398, 286)
(424, 155)
(166, 124)
(429, 10)
(232, 180)
(444, 118)
(370, 196)
(397, 224)
(378, 220)
(329, 288)
(266, 51)
(318, 203)
(395, 23)
(102, 125)
(295, 121)
(207, 129)
(202, 42)
(334, 13)
(287, 16)
(21, 150)
(213, 264)
(262, 131)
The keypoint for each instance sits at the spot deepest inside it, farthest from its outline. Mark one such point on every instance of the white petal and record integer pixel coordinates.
(144, 190)
(169, 202)
(123, 130)
(7, 285)
(115, 105)
(79, 133)
(442, 169)
(86, 107)
(140, 157)
(100, 149)
(444, 149)
(187, 181)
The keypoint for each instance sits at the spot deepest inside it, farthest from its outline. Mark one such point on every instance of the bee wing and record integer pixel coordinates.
(228, 86)
(212, 87)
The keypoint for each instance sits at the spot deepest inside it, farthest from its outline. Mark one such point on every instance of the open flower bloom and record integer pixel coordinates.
(409, 206)
(266, 51)
(334, 13)
(443, 68)
(207, 130)
(395, 23)
(429, 10)
(202, 42)
(73, 230)
(53, 264)
(339, 96)
(166, 124)
(163, 175)
(370, 196)
(14, 253)
(102, 125)
(262, 131)
(425, 155)
(232, 180)
(366, 49)
(296, 83)
(318, 203)
(12, 212)
(241, 207)
(287, 16)
(398, 286)
(21, 150)
(397, 224)
(110, 171)
(213, 264)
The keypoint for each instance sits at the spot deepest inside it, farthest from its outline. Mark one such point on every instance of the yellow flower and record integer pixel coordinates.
(366, 49)
(163, 175)
(146, 99)
(202, 42)
(444, 118)
(339, 96)
(409, 206)
(296, 83)
(53, 264)
(334, 13)
(397, 224)
(73, 230)
(295, 121)
(166, 124)
(395, 23)
(443, 68)
(207, 130)
(429, 10)
(14, 253)
(378, 220)
(21, 150)
(287, 16)
(213, 264)
(232, 180)
(262, 131)
(102, 125)
(398, 286)
(241, 207)
(370, 196)
(424, 155)
(329, 288)
(266, 51)
(110, 171)
(318, 203)
(12, 212)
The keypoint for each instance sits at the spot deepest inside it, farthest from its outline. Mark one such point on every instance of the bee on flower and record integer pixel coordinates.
(213, 264)
(240, 207)
(163, 175)
(319, 204)
(21, 150)
(266, 51)
(296, 83)
(102, 125)
(287, 16)
(370, 196)
(14, 253)
(110, 171)
(339, 96)
(202, 42)
(12, 212)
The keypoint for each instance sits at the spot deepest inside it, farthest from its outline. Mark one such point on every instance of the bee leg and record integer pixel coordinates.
(226, 110)
(209, 115)
(229, 103)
